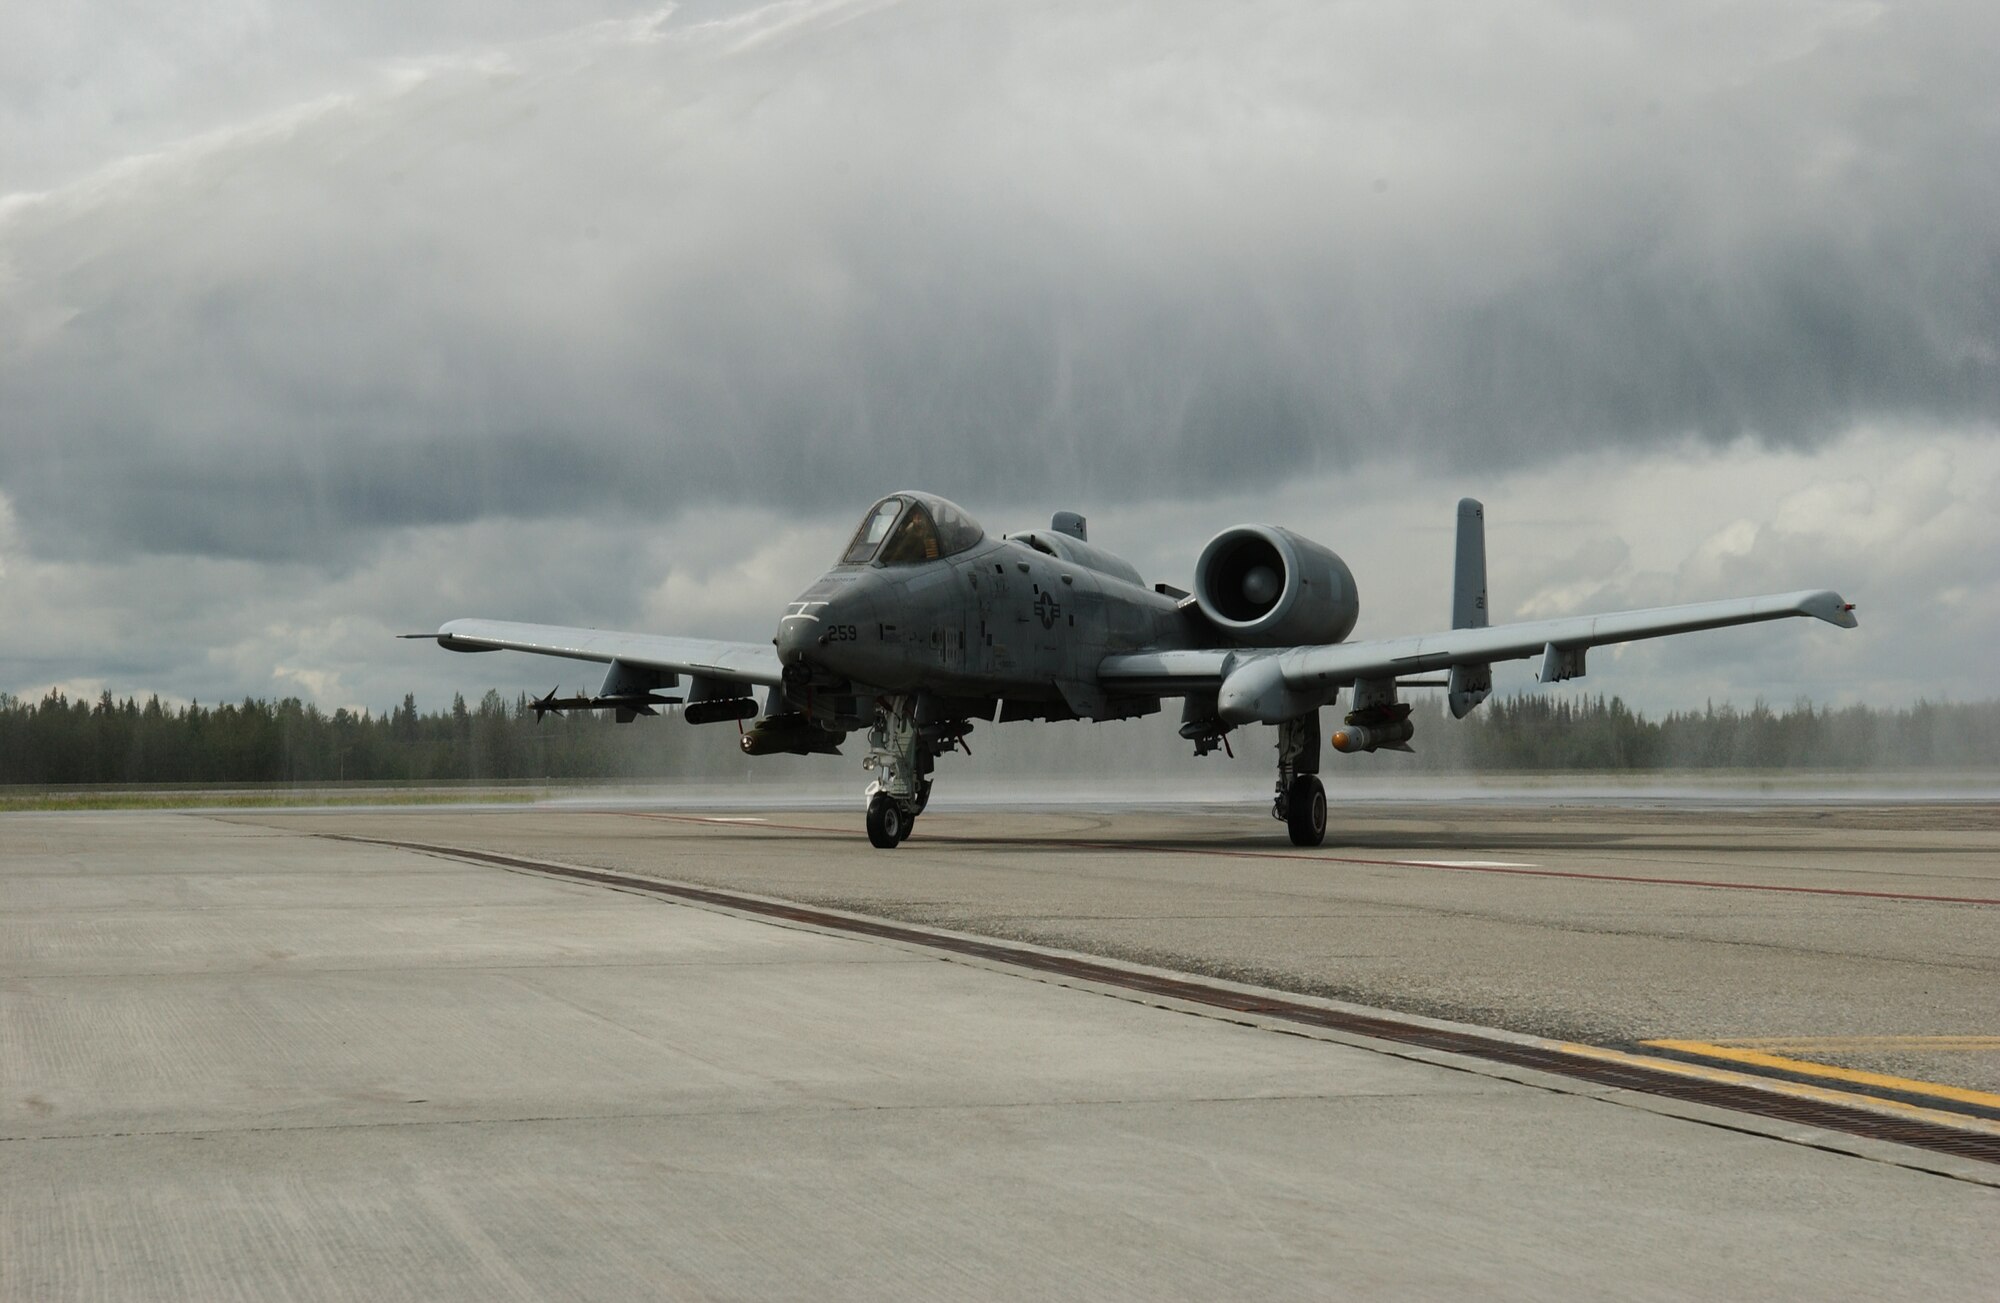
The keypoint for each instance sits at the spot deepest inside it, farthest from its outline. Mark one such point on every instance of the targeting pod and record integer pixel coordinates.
(791, 733)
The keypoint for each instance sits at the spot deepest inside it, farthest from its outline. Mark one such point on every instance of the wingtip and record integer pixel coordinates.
(441, 635)
(1830, 606)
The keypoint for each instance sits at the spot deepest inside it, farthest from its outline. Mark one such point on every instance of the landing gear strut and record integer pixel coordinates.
(903, 751)
(1300, 803)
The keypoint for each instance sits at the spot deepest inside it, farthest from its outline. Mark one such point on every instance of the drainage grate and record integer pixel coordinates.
(1915, 1132)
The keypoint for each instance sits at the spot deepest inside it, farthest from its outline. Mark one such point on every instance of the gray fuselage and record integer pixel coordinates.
(1003, 619)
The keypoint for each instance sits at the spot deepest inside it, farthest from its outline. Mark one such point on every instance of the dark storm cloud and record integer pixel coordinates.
(1160, 251)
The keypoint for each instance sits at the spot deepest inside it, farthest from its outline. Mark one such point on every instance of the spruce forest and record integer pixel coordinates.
(57, 741)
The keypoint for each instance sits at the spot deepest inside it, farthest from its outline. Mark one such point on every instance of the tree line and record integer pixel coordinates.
(57, 741)
(1532, 731)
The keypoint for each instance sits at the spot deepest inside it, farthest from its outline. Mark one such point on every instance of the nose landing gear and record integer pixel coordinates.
(887, 824)
(903, 752)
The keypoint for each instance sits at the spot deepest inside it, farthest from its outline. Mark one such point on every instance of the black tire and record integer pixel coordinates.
(887, 824)
(1305, 811)
(909, 826)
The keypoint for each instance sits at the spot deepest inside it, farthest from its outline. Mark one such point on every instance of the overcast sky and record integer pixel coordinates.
(326, 321)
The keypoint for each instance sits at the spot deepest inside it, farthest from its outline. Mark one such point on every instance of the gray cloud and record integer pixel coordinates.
(1903, 521)
(323, 327)
(83, 84)
(1139, 253)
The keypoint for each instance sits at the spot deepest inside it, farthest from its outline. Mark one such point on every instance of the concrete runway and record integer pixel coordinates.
(1822, 923)
(241, 1060)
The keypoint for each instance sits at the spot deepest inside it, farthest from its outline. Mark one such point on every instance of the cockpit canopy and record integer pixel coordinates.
(908, 528)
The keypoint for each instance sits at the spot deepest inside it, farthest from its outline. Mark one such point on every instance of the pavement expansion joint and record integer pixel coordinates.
(1786, 1101)
(771, 1111)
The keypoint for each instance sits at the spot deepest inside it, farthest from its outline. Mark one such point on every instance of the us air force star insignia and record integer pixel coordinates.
(1047, 607)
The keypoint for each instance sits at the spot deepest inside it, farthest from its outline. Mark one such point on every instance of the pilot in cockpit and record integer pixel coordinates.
(907, 530)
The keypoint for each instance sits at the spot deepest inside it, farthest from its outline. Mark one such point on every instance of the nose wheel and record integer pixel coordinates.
(903, 750)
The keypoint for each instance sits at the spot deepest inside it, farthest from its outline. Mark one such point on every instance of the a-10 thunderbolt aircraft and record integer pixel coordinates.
(927, 623)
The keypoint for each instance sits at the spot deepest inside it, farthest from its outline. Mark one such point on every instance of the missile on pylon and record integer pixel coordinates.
(1396, 735)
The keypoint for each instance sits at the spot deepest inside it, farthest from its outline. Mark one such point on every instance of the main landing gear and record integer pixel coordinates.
(887, 824)
(1300, 803)
(903, 751)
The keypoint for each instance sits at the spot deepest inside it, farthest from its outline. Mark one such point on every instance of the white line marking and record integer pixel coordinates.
(1465, 864)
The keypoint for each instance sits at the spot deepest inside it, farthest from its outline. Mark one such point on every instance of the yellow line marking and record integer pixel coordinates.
(1805, 1067)
(1834, 1044)
(1793, 1089)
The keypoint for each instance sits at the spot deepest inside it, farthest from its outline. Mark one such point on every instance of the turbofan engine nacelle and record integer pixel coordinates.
(1268, 587)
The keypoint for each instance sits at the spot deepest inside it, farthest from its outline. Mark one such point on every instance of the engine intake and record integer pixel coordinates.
(1268, 587)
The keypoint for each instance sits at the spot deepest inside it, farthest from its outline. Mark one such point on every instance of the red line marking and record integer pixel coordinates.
(1062, 843)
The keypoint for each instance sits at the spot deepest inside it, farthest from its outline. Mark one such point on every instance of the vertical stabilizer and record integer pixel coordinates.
(1468, 580)
(1470, 684)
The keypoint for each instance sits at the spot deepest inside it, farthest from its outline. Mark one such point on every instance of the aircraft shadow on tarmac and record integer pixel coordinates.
(1093, 839)
(1428, 845)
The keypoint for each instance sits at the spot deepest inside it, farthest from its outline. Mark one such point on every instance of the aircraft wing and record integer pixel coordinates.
(744, 662)
(1174, 672)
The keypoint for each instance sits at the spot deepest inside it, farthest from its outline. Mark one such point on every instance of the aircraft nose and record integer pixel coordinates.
(798, 636)
(811, 631)
(823, 627)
